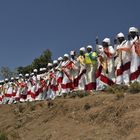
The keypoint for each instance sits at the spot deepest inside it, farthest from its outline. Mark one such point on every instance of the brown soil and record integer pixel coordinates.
(95, 117)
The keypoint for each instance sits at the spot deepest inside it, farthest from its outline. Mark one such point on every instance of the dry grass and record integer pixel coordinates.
(134, 88)
(120, 95)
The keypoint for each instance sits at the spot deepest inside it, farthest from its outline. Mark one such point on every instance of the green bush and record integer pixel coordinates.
(116, 89)
(82, 94)
(3, 136)
(134, 88)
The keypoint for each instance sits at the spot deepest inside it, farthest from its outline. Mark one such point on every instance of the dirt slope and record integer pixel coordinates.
(95, 117)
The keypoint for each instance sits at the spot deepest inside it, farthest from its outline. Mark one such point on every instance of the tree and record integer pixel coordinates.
(5, 72)
(24, 70)
(37, 63)
(42, 60)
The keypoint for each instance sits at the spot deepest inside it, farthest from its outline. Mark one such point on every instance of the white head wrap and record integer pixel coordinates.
(107, 40)
(119, 35)
(49, 64)
(35, 70)
(89, 46)
(55, 61)
(26, 75)
(60, 59)
(83, 49)
(72, 52)
(66, 55)
(133, 29)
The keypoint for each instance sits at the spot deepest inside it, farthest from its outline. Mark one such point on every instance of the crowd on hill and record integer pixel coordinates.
(92, 69)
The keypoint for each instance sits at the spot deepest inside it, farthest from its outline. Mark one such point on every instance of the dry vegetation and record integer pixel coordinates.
(113, 114)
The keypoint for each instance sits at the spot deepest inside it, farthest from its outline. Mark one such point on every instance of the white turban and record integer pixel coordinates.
(35, 70)
(20, 75)
(89, 46)
(133, 29)
(120, 35)
(83, 49)
(12, 78)
(44, 69)
(17, 78)
(41, 69)
(6, 79)
(66, 55)
(27, 75)
(32, 74)
(49, 64)
(72, 52)
(60, 59)
(55, 61)
(107, 40)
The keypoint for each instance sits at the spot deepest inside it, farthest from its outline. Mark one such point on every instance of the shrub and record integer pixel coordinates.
(82, 94)
(72, 95)
(3, 136)
(116, 89)
(134, 88)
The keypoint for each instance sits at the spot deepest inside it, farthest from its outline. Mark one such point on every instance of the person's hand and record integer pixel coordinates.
(105, 50)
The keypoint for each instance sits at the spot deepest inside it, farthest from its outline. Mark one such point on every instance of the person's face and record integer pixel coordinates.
(55, 65)
(49, 67)
(65, 58)
(133, 34)
(89, 50)
(72, 56)
(105, 45)
(81, 53)
(121, 39)
(17, 80)
(27, 77)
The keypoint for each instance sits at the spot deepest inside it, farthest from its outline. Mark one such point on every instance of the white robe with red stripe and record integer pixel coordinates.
(1, 94)
(122, 64)
(24, 90)
(107, 78)
(75, 71)
(54, 85)
(9, 93)
(38, 88)
(67, 78)
(59, 78)
(17, 97)
(50, 84)
(135, 61)
(29, 93)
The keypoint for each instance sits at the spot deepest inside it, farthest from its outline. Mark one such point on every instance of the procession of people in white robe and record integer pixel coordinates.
(93, 69)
